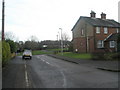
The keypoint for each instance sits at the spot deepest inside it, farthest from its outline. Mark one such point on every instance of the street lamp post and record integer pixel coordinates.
(59, 45)
(3, 19)
(61, 42)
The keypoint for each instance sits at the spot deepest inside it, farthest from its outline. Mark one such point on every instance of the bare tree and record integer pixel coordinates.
(32, 43)
(65, 37)
(33, 38)
(9, 35)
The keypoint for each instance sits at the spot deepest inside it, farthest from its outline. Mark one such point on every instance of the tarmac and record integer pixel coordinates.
(108, 65)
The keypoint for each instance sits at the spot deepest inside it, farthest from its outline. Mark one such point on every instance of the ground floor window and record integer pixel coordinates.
(100, 44)
(112, 44)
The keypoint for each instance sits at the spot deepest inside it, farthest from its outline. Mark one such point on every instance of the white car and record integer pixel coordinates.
(27, 54)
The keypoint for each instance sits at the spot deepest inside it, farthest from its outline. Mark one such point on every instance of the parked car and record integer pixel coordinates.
(27, 54)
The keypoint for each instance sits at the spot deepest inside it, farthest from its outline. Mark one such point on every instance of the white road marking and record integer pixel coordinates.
(47, 62)
(42, 60)
(26, 77)
(63, 75)
(64, 79)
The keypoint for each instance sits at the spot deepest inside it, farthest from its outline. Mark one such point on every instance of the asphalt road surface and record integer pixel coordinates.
(48, 72)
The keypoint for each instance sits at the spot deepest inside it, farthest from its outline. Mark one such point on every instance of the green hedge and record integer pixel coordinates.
(13, 47)
(6, 54)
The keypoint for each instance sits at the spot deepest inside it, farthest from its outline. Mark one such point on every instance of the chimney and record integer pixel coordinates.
(92, 14)
(103, 15)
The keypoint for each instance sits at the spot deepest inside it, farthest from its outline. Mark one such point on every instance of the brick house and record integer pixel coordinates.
(89, 33)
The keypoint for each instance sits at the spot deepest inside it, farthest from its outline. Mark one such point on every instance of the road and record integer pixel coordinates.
(48, 72)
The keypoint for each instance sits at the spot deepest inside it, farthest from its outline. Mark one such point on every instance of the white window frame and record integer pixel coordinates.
(97, 30)
(117, 30)
(82, 31)
(105, 30)
(100, 44)
(112, 44)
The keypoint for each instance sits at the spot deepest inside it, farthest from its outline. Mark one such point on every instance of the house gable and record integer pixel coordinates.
(82, 28)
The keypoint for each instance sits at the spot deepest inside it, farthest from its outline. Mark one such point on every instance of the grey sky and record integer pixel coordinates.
(43, 18)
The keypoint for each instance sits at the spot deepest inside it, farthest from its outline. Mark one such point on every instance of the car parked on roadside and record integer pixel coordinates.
(27, 54)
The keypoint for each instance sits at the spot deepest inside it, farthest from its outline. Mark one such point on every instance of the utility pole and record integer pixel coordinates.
(61, 41)
(119, 11)
(3, 19)
(57, 37)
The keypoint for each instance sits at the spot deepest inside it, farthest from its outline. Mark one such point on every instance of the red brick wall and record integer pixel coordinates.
(102, 36)
(80, 44)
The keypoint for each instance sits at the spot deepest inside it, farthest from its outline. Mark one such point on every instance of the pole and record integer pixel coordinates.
(3, 19)
(57, 37)
(61, 42)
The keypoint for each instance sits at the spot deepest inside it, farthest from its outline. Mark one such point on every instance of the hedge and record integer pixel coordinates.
(6, 53)
(12, 44)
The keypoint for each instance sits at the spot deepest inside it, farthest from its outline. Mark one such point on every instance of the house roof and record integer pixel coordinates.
(99, 22)
(113, 37)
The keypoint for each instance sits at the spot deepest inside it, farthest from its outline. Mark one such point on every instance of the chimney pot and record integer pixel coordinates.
(103, 15)
(92, 14)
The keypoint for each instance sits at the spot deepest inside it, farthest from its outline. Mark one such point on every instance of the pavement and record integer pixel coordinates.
(99, 64)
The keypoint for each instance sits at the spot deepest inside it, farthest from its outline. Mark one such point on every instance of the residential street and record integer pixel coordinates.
(47, 72)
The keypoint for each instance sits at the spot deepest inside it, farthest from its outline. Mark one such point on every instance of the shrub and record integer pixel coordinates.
(97, 56)
(70, 48)
(6, 55)
(12, 44)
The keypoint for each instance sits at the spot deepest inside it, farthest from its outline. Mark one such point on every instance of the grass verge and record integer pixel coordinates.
(40, 52)
(76, 55)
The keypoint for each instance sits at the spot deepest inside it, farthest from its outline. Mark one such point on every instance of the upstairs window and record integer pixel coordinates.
(100, 44)
(112, 44)
(105, 30)
(97, 29)
(117, 30)
(82, 32)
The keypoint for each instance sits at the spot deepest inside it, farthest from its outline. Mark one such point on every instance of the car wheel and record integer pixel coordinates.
(30, 58)
(23, 57)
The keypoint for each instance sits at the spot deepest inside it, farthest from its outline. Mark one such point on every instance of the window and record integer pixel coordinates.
(97, 29)
(82, 32)
(105, 30)
(100, 44)
(117, 30)
(112, 44)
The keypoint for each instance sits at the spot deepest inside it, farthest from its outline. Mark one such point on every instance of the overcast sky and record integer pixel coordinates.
(43, 18)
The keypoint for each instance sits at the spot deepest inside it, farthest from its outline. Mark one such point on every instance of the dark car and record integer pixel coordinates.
(27, 54)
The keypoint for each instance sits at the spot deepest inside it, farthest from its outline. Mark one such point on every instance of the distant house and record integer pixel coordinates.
(90, 34)
(51, 44)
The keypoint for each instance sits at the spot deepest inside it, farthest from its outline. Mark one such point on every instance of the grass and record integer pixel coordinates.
(59, 49)
(19, 54)
(39, 52)
(77, 55)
